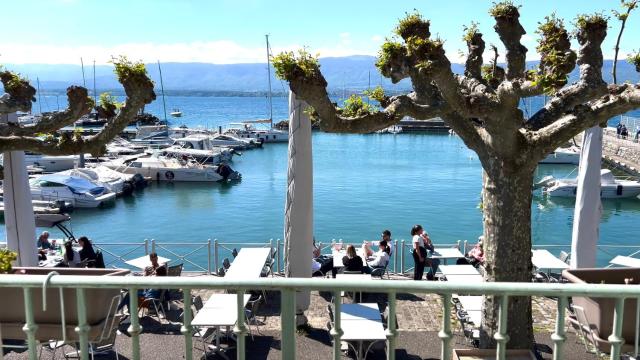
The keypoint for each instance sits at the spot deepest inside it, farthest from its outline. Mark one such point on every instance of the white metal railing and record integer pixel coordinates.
(288, 287)
(207, 256)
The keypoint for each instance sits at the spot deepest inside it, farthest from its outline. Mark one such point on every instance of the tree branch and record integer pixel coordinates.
(510, 32)
(591, 32)
(19, 93)
(475, 46)
(619, 100)
(79, 104)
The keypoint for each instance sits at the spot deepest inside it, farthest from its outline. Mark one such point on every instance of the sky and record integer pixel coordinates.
(232, 31)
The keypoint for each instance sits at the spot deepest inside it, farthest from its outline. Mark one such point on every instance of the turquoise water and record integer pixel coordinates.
(362, 185)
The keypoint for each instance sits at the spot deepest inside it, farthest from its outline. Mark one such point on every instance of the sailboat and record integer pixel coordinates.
(249, 130)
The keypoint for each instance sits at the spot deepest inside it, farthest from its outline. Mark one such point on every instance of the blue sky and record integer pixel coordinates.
(230, 31)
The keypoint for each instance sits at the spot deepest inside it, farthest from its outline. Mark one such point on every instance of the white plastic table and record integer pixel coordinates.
(143, 261)
(471, 303)
(465, 278)
(625, 261)
(219, 310)
(248, 264)
(445, 254)
(543, 260)
(458, 270)
(358, 327)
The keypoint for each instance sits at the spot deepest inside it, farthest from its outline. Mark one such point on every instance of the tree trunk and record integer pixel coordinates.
(506, 199)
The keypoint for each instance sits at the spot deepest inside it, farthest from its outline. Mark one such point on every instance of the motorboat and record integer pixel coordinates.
(152, 135)
(163, 168)
(228, 140)
(570, 155)
(393, 129)
(176, 113)
(44, 207)
(120, 146)
(213, 156)
(610, 186)
(49, 163)
(119, 183)
(246, 130)
(78, 191)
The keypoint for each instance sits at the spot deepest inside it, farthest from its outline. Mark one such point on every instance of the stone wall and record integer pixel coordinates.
(622, 153)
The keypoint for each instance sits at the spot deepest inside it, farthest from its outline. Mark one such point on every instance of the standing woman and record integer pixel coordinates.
(421, 243)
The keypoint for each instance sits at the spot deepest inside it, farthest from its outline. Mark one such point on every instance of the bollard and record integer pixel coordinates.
(215, 254)
(209, 256)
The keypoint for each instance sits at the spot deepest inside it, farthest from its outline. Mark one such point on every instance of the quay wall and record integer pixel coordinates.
(621, 153)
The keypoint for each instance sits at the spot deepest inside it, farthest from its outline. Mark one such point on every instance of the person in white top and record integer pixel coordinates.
(379, 259)
(421, 243)
(71, 256)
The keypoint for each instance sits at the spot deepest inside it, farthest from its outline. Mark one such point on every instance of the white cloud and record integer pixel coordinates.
(377, 38)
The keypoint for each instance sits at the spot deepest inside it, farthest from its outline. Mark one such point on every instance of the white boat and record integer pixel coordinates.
(570, 155)
(50, 163)
(78, 191)
(393, 129)
(120, 146)
(611, 187)
(176, 113)
(114, 181)
(246, 130)
(171, 169)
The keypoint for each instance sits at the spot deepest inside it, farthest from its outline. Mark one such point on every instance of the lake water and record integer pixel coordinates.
(363, 184)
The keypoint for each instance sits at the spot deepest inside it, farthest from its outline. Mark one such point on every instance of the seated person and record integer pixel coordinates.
(155, 269)
(386, 237)
(43, 241)
(352, 262)
(379, 259)
(87, 252)
(475, 256)
(71, 256)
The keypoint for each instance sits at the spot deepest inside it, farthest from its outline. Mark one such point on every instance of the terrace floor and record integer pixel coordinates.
(419, 319)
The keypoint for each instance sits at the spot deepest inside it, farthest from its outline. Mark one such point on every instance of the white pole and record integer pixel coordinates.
(588, 208)
(298, 217)
(18, 209)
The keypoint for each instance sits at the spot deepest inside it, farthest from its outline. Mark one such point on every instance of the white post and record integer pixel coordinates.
(588, 208)
(298, 218)
(18, 210)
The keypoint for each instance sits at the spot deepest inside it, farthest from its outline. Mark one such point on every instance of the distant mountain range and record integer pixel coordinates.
(351, 73)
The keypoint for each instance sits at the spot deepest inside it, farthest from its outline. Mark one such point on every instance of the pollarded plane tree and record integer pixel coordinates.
(43, 137)
(481, 106)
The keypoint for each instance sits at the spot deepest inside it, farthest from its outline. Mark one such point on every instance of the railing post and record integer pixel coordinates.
(187, 329)
(336, 331)
(458, 245)
(616, 339)
(402, 257)
(558, 336)
(240, 329)
(83, 328)
(209, 256)
(278, 255)
(465, 248)
(146, 246)
(391, 332)
(134, 329)
(501, 336)
(30, 327)
(288, 322)
(637, 327)
(153, 245)
(395, 256)
(445, 334)
(215, 255)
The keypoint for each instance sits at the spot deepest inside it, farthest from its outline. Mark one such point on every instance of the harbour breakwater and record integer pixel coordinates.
(623, 154)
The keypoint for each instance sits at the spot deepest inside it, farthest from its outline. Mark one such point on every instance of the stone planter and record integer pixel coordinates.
(49, 322)
(599, 311)
(490, 354)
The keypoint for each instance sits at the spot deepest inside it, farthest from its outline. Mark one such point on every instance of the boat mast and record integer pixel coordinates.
(164, 104)
(95, 94)
(269, 81)
(84, 82)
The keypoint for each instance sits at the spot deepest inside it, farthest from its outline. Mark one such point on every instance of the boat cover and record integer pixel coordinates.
(77, 185)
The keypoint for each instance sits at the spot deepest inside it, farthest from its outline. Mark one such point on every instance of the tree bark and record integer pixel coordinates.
(506, 199)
